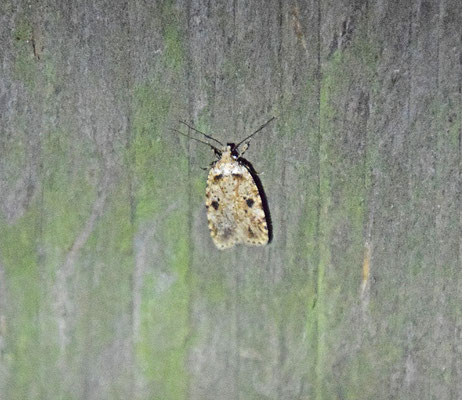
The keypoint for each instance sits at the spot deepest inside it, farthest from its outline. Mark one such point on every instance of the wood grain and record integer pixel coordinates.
(110, 286)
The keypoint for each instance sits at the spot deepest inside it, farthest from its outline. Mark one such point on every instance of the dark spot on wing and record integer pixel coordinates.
(238, 176)
(215, 204)
(216, 178)
(250, 202)
(251, 234)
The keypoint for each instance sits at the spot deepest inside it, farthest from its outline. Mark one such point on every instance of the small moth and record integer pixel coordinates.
(237, 209)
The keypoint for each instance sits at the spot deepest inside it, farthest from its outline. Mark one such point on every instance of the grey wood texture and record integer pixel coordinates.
(110, 286)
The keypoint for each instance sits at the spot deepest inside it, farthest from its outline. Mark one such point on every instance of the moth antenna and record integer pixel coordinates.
(258, 130)
(202, 133)
(197, 140)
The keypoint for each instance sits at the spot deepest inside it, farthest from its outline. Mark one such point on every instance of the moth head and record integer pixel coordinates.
(233, 149)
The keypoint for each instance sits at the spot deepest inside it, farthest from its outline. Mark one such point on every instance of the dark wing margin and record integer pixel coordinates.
(262, 194)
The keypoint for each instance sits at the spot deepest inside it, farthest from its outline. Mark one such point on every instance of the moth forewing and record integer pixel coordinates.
(234, 206)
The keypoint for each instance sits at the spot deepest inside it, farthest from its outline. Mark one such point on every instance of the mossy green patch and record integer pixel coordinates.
(160, 191)
(174, 53)
(162, 347)
(15, 151)
(343, 194)
(18, 252)
(68, 193)
(164, 311)
(32, 248)
(103, 284)
(151, 157)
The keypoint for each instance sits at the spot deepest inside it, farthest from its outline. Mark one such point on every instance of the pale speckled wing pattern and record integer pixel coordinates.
(234, 207)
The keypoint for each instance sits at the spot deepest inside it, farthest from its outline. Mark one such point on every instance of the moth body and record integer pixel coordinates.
(234, 205)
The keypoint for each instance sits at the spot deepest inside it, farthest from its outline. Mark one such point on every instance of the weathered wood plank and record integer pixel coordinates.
(110, 286)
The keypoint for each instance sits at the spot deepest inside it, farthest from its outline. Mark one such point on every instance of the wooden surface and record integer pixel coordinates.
(110, 286)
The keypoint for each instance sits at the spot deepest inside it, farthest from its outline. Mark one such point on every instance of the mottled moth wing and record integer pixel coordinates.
(234, 207)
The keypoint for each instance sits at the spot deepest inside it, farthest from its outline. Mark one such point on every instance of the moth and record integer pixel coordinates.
(237, 208)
